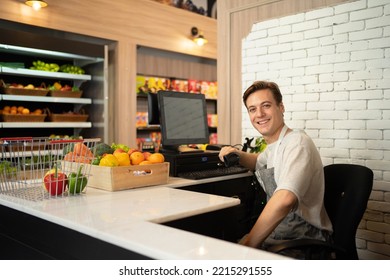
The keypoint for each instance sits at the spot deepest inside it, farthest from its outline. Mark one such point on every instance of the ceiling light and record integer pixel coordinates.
(197, 36)
(36, 4)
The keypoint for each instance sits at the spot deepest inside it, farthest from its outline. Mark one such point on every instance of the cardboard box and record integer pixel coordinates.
(128, 177)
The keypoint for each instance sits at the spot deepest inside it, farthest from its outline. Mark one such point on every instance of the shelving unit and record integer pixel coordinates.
(159, 63)
(43, 74)
(56, 103)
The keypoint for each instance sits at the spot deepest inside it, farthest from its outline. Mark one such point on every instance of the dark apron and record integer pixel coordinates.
(292, 226)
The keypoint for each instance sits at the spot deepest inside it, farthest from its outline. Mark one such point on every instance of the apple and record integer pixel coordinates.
(146, 155)
(132, 150)
(66, 88)
(118, 151)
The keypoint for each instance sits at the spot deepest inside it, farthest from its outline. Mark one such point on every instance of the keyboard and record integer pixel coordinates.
(210, 173)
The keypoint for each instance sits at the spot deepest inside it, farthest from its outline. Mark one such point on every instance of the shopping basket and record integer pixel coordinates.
(37, 168)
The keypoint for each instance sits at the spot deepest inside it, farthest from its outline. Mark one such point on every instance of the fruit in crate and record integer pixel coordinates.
(101, 149)
(123, 158)
(55, 181)
(146, 155)
(121, 154)
(109, 160)
(66, 88)
(20, 110)
(30, 86)
(118, 151)
(136, 158)
(156, 158)
(58, 87)
(14, 85)
(124, 147)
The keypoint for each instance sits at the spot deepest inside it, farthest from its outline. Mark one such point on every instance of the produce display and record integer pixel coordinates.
(29, 86)
(40, 65)
(20, 110)
(57, 86)
(68, 175)
(72, 69)
(123, 155)
(54, 67)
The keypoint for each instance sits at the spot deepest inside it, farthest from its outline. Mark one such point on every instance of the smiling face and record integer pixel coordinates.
(265, 114)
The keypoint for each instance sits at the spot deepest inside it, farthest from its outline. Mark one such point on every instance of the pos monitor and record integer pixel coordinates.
(183, 119)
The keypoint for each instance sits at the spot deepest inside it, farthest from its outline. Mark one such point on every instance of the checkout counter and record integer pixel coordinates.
(184, 219)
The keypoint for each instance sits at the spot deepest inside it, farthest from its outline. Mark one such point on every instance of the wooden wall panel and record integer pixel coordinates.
(128, 24)
(169, 64)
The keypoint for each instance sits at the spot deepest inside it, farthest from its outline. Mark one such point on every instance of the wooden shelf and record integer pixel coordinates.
(49, 99)
(46, 124)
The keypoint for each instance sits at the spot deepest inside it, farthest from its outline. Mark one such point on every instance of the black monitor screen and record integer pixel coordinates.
(183, 118)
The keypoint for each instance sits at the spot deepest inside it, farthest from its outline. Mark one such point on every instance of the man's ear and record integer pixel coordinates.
(281, 105)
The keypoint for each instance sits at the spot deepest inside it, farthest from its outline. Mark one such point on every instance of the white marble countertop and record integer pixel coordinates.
(130, 219)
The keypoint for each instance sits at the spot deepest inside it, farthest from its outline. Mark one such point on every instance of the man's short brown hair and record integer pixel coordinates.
(259, 85)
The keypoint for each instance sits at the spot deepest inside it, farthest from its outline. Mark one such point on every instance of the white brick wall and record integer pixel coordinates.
(333, 67)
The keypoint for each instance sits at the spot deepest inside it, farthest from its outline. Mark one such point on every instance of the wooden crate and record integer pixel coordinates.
(71, 94)
(67, 118)
(23, 118)
(128, 177)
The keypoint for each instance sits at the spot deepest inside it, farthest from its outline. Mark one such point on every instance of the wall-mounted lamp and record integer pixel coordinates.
(36, 4)
(197, 36)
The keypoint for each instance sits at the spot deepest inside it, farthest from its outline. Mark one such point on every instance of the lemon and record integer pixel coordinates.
(123, 159)
(109, 160)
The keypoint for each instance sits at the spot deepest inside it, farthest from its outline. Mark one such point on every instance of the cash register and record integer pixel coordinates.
(183, 122)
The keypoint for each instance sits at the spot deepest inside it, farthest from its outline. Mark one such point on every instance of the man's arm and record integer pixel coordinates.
(276, 209)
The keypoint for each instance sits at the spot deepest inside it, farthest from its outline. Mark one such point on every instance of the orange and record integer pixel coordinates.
(38, 112)
(136, 158)
(25, 111)
(20, 109)
(123, 158)
(145, 162)
(156, 158)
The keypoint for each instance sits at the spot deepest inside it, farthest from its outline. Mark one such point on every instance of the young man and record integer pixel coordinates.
(290, 171)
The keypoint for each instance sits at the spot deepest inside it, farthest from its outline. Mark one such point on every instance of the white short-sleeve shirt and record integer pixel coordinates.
(298, 168)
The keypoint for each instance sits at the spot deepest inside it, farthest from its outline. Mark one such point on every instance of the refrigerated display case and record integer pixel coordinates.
(19, 50)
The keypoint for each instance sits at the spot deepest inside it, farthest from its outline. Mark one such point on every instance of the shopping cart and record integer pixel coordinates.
(37, 168)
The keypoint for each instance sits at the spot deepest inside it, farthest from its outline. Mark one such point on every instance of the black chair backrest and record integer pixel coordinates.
(347, 190)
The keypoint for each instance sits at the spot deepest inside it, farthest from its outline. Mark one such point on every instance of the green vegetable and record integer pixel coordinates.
(77, 181)
(7, 168)
(101, 149)
(120, 146)
(96, 161)
(260, 145)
